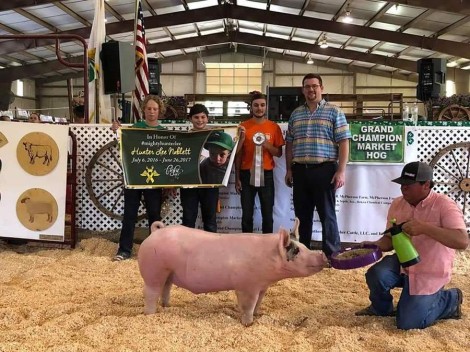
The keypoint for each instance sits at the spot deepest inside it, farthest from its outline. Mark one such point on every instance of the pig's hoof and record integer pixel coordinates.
(148, 311)
(247, 321)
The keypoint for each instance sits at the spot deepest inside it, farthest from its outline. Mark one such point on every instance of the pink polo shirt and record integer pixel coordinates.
(435, 268)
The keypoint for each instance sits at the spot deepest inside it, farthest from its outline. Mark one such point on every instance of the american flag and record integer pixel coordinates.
(141, 66)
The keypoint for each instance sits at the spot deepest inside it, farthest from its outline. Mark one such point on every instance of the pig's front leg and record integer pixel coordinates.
(258, 304)
(246, 303)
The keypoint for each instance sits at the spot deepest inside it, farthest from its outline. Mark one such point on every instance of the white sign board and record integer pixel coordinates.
(21, 215)
(361, 205)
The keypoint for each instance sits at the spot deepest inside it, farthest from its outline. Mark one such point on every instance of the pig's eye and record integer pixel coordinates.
(292, 251)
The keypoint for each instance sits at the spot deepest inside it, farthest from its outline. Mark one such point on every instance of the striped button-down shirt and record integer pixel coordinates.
(315, 135)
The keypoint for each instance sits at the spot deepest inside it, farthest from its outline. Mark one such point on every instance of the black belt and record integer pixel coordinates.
(313, 166)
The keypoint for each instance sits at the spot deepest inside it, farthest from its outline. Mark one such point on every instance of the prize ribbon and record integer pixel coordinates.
(257, 170)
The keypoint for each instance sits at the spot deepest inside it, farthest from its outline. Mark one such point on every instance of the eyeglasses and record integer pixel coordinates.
(313, 86)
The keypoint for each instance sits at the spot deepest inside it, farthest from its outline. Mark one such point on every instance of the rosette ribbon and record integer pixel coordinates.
(257, 169)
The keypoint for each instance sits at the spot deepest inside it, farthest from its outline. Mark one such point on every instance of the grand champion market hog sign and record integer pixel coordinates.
(371, 142)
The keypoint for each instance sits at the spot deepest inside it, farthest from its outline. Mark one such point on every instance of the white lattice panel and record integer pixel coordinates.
(91, 142)
(91, 138)
(448, 149)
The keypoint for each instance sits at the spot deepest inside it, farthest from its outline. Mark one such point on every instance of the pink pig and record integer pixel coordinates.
(204, 262)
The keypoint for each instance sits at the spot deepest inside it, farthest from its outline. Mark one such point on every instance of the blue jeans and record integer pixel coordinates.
(190, 199)
(266, 200)
(132, 198)
(413, 312)
(313, 190)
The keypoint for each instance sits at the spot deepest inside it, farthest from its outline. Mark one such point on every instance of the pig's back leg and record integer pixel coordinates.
(246, 303)
(151, 294)
(166, 291)
(152, 290)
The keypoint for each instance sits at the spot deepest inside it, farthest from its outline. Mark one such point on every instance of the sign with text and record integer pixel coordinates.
(163, 158)
(371, 142)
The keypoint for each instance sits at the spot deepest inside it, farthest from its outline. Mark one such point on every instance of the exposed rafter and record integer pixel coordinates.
(456, 6)
(241, 38)
(263, 16)
(250, 50)
(301, 37)
(256, 40)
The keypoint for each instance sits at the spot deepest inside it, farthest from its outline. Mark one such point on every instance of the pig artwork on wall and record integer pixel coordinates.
(203, 262)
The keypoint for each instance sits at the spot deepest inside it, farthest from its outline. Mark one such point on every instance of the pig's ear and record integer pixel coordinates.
(294, 234)
(287, 246)
(284, 241)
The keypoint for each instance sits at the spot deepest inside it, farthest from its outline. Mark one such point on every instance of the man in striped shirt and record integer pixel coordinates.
(317, 148)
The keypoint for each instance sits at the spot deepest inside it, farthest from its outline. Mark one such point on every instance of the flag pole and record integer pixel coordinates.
(136, 17)
(141, 65)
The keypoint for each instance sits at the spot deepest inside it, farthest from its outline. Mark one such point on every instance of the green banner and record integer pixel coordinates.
(164, 158)
(383, 143)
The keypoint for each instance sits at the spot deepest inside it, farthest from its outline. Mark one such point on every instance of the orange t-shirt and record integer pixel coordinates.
(274, 136)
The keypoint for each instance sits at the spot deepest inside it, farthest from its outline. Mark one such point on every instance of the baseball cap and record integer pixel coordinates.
(221, 139)
(414, 172)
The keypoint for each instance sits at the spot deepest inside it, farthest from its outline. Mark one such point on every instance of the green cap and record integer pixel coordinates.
(220, 139)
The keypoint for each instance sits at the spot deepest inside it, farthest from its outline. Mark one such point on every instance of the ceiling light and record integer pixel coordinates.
(323, 42)
(347, 16)
(310, 60)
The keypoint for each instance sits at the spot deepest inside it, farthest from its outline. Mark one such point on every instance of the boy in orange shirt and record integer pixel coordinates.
(260, 141)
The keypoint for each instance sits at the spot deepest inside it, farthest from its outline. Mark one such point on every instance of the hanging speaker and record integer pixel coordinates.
(155, 86)
(432, 78)
(118, 60)
(6, 95)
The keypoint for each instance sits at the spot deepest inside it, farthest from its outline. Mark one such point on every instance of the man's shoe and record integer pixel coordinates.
(370, 313)
(458, 311)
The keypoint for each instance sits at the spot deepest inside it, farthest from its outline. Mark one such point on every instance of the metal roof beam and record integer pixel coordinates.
(221, 38)
(457, 6)
(19, 72)
(262, 16)
(443, 46)
(256, 40)
(17, 4)
(249, 50)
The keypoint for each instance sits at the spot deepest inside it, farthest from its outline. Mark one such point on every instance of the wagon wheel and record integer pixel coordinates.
(454, 113)
(105, 183)
(170, 113)
(452, 174)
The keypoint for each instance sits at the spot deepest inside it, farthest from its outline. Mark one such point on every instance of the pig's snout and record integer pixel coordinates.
(320, 260)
